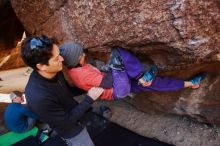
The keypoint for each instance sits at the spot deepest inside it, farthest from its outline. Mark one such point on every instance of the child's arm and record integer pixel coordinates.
(107, 81)
(28, 113)
(88, 76)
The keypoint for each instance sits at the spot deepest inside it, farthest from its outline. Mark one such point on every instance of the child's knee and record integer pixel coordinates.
(122, 93)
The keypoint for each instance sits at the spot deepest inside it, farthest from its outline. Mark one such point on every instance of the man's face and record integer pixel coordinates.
(55, 62)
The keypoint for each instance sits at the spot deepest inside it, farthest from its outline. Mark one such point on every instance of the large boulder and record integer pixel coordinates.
(181, 36)
(183, 27)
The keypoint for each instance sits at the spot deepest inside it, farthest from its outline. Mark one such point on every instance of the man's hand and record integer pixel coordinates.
(95, 92)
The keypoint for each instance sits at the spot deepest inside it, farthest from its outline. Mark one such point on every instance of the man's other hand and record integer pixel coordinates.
(95, 92)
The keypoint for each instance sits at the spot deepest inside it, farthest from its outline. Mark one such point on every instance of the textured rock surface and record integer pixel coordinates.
(10, 58)
(184, 27)
(202, 104)
(181, 36)
(10, 34)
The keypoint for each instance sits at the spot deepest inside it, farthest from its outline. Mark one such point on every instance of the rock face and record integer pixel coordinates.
(181, 36)
(201, 104)
(10, 34)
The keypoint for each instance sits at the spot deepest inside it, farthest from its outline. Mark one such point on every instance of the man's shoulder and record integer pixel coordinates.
(32, 83)
(38, 89)
(35, 92)
(33, 88)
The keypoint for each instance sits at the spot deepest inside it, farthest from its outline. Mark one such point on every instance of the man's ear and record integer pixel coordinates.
(41, 67)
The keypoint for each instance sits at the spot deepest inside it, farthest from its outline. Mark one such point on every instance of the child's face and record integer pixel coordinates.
(82, 59)
(18, 99)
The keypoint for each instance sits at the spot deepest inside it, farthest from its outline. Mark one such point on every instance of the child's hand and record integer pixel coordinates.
(95, 92)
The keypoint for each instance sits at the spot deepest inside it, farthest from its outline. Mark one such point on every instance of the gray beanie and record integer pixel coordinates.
(15, 94)
(71, 52)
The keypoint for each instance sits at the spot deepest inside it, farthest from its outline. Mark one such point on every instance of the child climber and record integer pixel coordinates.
(126, 74)
(18, 118)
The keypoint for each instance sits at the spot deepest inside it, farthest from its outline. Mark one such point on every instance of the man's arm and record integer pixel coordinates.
(54, 113)
(75, 113)
(78, 111)
(107, 81)
(77, 91)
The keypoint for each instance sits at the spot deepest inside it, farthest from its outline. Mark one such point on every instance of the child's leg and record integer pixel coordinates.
(121, 84)
(31, 123)
(159, 84)
(132, 64)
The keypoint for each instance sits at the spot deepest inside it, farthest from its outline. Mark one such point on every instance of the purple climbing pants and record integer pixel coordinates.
(121, 84)
(125, 82)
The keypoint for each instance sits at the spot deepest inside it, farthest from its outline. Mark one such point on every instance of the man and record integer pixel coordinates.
(48, 94)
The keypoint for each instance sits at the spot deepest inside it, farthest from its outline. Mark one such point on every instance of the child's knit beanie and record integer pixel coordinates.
(71, 51)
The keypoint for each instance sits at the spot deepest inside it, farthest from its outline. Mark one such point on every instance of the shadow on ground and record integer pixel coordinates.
(104, 132)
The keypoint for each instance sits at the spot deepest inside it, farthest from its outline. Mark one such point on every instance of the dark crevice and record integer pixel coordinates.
(10, 26)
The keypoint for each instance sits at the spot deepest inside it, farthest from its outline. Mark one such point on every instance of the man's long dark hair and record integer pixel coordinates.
(39, 53)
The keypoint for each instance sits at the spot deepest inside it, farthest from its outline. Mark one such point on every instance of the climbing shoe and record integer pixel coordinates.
(115, 62)
(148, 76)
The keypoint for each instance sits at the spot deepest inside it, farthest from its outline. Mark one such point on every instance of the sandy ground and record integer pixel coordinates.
(177, 130)
(13, 80)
